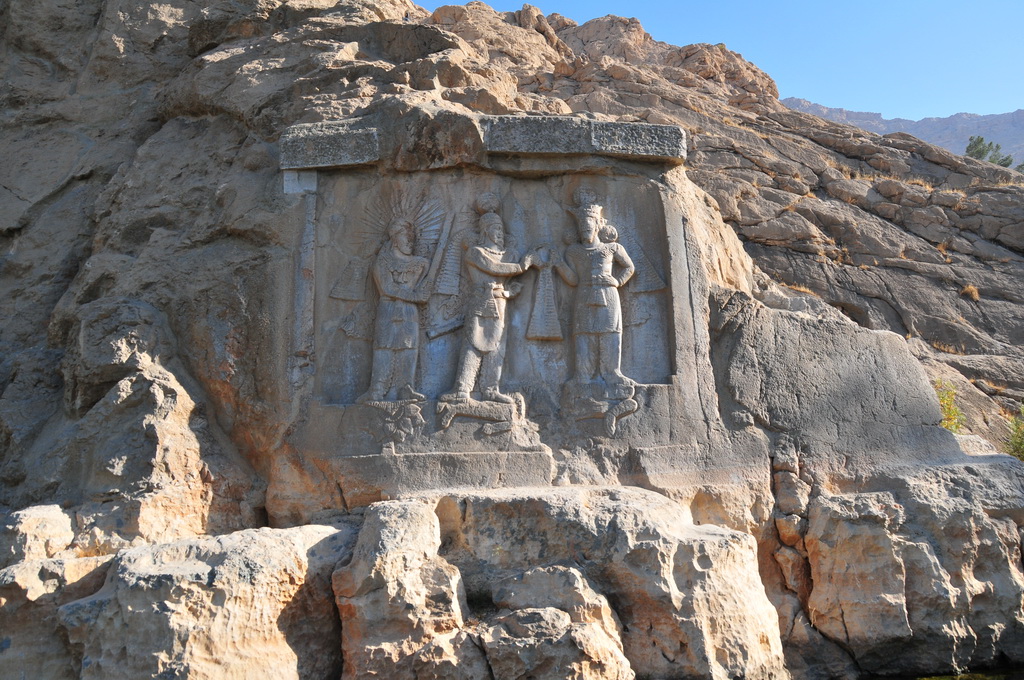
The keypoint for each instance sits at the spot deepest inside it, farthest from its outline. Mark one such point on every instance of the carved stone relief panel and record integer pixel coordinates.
(461, 311)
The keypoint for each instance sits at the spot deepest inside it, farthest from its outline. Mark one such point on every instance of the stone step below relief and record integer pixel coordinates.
(367, 479)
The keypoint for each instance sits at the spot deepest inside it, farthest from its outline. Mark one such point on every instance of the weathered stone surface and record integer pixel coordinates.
(404, 606)
(136, 457)
(949, 132)
(558, 603)
(35, 533)
(922, 567)
(867, 564)
(31, 593)
(667, 576)
(396, 595)
(253, 604)
(175, 334)
(543, 642)
(340, 144)
(544, 135)
(328, 145)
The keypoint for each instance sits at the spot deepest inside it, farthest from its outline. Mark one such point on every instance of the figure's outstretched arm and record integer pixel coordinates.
(566, 272)
(492, 264)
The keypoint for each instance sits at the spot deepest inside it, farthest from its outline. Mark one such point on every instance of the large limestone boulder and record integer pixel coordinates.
(253, 604)
(31, 595)
(35, 533)
(687, 596)
(669, 578)
(583, 631)
(920, 571)
(543, 642)
(396, 595)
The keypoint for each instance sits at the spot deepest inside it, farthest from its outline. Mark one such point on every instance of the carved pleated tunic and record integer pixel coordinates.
(487, 275)
(597, 308)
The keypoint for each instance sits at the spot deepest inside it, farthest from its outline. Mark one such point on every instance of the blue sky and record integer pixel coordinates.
(901, 58)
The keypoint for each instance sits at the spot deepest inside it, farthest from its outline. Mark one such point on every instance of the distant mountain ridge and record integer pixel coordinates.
(951, 132)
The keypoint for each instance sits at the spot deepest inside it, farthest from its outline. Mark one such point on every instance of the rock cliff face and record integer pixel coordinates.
(179, 485)
(951, 133)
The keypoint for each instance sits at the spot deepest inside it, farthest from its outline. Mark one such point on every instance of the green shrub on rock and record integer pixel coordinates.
(1015, 442)
(952, 417)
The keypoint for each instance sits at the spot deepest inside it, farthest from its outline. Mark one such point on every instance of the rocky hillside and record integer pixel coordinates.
(147, 482)
(951, 133)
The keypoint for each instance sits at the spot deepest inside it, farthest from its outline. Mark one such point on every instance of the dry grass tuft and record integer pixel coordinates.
(970, 291)
(800, 289)
(921, 182)
(948, 349)
(991, 388)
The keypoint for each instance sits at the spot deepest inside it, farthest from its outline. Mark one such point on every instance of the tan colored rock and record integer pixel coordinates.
(397, 595)
(880, 586)
(253, 604)
(35, 533)
(563, 588)
(457, 656)
(403, 603)
(148, 242)
(791, 529)
(544, 643)
(669, 578)
(138, 457)
(31, 592)
(791, 493)
(535, 640)
(795, 570)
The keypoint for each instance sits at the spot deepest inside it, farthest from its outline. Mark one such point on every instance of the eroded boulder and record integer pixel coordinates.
(35, 533)
(397, 595)
(31, 594)
(252, 604)
(688, 598)
(907, 581)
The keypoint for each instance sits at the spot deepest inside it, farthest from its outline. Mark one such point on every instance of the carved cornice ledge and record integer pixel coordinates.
(339, 144)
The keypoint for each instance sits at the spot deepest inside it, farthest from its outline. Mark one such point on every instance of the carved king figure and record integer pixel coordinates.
(597, 269)
(397, 274)
(487, 275)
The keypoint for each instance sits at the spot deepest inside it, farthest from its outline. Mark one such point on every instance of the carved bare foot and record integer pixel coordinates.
(492, 394)
(617, 378)
(407, 393)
